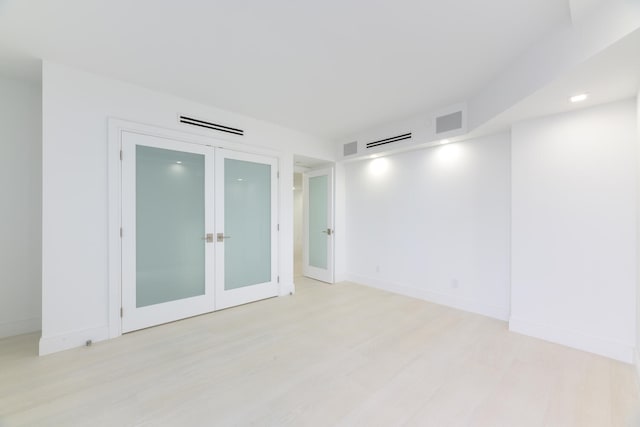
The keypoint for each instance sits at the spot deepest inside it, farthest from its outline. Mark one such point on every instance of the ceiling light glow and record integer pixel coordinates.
(579, 98)
(444, 141)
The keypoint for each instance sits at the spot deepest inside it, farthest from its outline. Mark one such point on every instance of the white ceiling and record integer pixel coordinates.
(611, 75)
(328, 67)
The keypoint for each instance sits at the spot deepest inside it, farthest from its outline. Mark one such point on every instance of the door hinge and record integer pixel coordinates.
(278, 174)
(121, 232)
(121, 312)
(278, 227)
(278, 279)
(120, 154)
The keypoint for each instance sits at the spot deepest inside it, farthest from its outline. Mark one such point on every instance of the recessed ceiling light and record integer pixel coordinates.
(579, 98)
(179, 162)
(444, 141)
(240, 179)
(374, 156)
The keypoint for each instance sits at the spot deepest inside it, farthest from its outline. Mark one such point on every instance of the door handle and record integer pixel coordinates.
(208, 237)
(328, 231)
(221, 237)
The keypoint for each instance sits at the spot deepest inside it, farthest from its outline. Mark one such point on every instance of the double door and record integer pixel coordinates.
(199, 229)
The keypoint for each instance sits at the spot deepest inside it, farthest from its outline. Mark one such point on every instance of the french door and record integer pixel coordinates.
(179, 209)
(246, 228)
(318, 225)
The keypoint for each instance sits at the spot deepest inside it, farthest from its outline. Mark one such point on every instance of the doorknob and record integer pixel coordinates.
(328, 231)
(208, 238)
(221, 237)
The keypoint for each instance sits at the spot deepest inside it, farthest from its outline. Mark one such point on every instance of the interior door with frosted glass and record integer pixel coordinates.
(167, 212)
(246, 228)
(318, 225)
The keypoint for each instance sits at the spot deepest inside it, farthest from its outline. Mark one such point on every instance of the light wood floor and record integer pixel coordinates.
(330, 355)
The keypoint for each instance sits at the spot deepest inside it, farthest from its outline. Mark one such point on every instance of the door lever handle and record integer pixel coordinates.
(221, 237)
(328, 232)
(208, 238)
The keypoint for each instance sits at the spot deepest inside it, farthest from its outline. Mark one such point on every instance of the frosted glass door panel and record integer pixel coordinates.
(170, 225)
(247, 213)
(318, 237)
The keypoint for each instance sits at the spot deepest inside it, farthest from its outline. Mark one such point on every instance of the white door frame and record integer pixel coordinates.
(327, 275)
(114, 182)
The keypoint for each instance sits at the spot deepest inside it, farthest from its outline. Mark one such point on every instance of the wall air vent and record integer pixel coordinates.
(389, 140)
(449, 122)
(350, 148)
(213, 126)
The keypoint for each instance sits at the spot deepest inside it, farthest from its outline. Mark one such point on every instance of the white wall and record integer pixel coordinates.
(638, 239)
(340, 254)
(574, 229)
(76, 106)
(20, 216)
(434, 224)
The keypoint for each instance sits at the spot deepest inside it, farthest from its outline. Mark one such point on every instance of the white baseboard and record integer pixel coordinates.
(74, 339)
(19, 327)
(435, 297)
(573, 339)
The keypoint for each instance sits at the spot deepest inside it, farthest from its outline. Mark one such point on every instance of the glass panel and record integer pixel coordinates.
(318, 241)
(247, 220)
(170, 211)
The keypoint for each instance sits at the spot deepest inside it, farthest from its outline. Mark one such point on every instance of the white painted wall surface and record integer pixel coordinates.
(574, 229)
(76, 106)
(20, 215)
(339, 224)
(637, 354)
(434, 224)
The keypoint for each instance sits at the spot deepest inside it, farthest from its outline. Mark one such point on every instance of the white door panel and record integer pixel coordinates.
(246, 228)
(167, 210)
(318, 225)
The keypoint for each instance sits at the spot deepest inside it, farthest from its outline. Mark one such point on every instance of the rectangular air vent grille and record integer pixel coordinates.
(350, 148)
(389, 140)
(449, 122)
(214, 126)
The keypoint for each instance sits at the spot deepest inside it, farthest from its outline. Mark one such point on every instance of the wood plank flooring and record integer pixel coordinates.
(341, 355)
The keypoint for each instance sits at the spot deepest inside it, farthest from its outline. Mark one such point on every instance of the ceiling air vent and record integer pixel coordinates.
(350, 148)
(389, 140)
(449, 122)
(203, 124)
